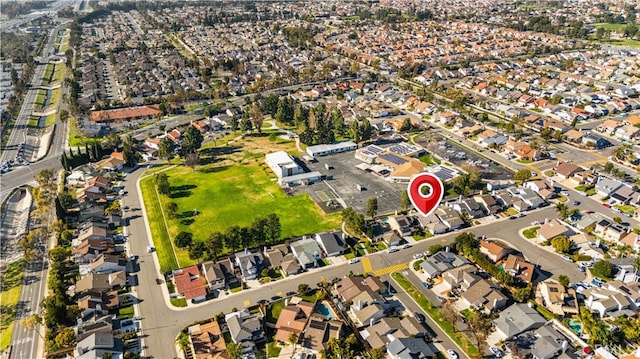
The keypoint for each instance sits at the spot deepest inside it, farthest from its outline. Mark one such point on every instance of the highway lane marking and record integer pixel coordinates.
(391, 269)
(366, 265)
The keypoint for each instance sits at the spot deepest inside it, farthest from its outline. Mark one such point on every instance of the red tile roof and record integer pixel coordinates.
(189, 282)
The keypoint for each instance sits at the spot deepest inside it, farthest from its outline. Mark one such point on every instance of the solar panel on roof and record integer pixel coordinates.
(393, 158)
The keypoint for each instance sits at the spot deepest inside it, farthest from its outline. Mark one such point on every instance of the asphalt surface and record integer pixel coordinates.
(160, 321)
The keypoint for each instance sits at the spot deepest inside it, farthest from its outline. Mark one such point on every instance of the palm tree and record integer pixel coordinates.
(183, 341)
(563, 210)
(293, 339)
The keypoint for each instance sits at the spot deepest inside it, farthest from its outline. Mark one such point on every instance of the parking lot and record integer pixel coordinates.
(462, 157)
(343, 180)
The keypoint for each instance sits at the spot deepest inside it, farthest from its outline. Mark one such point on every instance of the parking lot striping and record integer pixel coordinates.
(366, 265)
(391, 269)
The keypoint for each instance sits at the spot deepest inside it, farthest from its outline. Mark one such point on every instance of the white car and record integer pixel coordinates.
(406, 246)
(392, 250)
(497, 352)
(417, 256)
(150, 249)
(353, 261)
(452, 354)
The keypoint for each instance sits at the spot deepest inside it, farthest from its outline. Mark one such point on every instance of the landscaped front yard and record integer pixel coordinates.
(531, 233)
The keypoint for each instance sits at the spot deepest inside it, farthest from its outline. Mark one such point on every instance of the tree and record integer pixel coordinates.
(246, 125)
(564, 280)
(406, 124)
(232, 238)
(183, 239)
(214, 245)
(450, 314)
(234, 350)
(293, 339)
(273, 229)
(372, 207)
(31, 322)
(196, 250)
(192, 160)
(65, 338)
(465, 243)
(479, 325)
(563, 210)
(562, 244)
(366, 130)
(114, 207)
(191, 141)
(183, 341)
(405, 202)
(233, 123)
(161, 181)
(165, 149)
(340, 348)
(355, 133)
(172, 210)
(59, 254)
(603, 269)
(522, 175)
(127, 152)
(303, 288)
(65, 199)
(256, 116)
(435, 248)
(112, 141)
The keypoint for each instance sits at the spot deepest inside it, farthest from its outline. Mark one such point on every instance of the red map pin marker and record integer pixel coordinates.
(432, 188)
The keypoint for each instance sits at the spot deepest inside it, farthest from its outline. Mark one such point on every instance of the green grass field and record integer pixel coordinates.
(9, 297)
(48, 71)
(610, 26)
(164, 247)
(226, 196)
(41, 97)
(59, 73)
(531, 233)
(50, 120)
(33, 121)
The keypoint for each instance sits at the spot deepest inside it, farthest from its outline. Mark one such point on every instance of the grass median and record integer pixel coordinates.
(161, 240)
(9, 298)
(435, 314)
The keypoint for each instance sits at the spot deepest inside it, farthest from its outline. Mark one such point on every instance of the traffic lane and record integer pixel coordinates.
(441, 338)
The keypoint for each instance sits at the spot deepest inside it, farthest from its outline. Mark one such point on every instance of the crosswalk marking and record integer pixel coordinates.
(366, 265)
(391, 269)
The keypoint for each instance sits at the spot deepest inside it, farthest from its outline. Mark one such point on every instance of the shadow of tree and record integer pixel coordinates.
(187, 222)
(180, 194)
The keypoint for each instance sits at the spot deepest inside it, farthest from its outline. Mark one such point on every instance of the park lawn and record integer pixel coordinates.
(531, 233)
(50, 120)
(609, 26)
(164, 246)
(9, 297)
(429, 159)
(77, 138)
(625, 42)
(237, 195)
(436, 315)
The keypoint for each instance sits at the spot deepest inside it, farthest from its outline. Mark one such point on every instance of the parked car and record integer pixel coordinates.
(150, 249)
(133, 257)
(417, 256)
(427, 285)
(420, 317)
(452, 354)
(497, 352)
(606, 205)
(441, 299)
(406, 246)
(392, 250)
(159, 281)
(354, 261)
(576, 203)
(567, 258)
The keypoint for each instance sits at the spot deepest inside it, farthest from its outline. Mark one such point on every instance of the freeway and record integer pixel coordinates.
(161, 321)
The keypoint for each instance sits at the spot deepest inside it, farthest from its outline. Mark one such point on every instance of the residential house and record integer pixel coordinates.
(411, 348)
(625, 194)
(520, 268)
(567, 169)
(367, 315)
(449, 217)
(388, 329)
(96, 321)
(319, 331)
(246, 329)
(293, 319)
(527, 199)
(489, 203)
(250, 264)
(107, 263)
(495, 250)
(432, 224)
(98, 301)
(440, 262)
(593, 140)
(332, 243)
(631, 290)
(484, 295)
(216, 274)
(469, 207)
(542, 187)
(208, 341)
(279, 257)
(517, 318)
(552, 229)
(401, 224)
(556, 298)
(98, 345)
(606, 186)
(89, 249)
(190, 284)
(632, 240)
(606, 302)
(549, 342)
(349, 289)
(391, 238)
(307, 252)
(95, 282)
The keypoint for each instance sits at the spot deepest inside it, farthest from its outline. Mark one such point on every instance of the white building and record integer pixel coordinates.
(282, 164)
